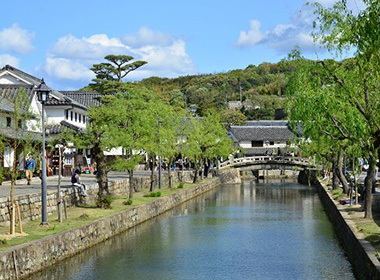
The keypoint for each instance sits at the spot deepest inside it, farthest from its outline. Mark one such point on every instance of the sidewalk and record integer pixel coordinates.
(21, 187)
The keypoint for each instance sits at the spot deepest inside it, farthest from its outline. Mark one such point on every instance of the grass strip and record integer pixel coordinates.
(80, 216)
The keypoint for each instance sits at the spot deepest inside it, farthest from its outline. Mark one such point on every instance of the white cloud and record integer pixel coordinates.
(96, 46)
(71, 58)
(284, 37)
(145, 36)
(9, 59)
(68, 69)
(16, 39)
(252, 37)
(170, 61)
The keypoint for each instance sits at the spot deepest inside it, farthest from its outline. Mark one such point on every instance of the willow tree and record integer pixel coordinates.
(206, 141)
(166, 123)
(344, 98)
(131, 127)
(16, 139)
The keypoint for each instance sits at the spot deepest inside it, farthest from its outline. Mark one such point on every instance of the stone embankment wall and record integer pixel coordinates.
(360, 252)
(20, 261)
(30, 205)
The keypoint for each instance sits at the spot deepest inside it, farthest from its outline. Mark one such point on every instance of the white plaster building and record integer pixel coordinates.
(260, 137)
(60, 110)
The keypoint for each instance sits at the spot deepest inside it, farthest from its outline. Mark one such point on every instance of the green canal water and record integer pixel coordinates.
(247, 231)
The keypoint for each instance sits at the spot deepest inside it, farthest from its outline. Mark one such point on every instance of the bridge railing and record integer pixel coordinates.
(262, 159)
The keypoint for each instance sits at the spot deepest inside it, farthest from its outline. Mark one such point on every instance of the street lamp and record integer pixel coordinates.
(42, 92)
(159, 155)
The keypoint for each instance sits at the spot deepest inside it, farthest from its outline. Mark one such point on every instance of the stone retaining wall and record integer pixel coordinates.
(30, 205)
(360, 252)
(23, 260)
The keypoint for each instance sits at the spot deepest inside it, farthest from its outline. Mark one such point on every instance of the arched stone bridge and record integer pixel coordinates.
(269, 163)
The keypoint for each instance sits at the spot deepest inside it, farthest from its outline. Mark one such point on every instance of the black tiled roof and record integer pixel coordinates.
(11, 133)
(53, 101)
(59, 128)
(55, 98)
(23, 75)
(58, 98)
(266, 123)
(8, 94)
(86, 98)
(261, 133)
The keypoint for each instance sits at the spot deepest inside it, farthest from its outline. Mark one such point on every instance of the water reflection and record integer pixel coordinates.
(247, 231)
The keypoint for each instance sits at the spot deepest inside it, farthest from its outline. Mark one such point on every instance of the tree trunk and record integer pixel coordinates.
(102, 176)
(207, 167)
(11, 195)
(182, 169)
(196, 171)
(335, 180)
(368, 186)
(340, 174)
(12, 209)
(195, 180)
(152, 177)
(59, 200)
(170, 172)
(130, 183)
(201, 169)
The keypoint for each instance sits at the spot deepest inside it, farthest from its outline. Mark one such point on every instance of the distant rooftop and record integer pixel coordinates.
(261, 133)
(86, 98)
(267, 123)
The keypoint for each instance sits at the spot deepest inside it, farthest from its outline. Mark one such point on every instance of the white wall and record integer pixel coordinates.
(54, 115)
(77, 123)
(114, 152)
(276, 144)
(8, 156)
(8, 79)
(245, 144)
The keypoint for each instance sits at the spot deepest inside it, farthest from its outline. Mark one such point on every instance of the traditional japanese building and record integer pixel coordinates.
(60, 111)
(262, 137)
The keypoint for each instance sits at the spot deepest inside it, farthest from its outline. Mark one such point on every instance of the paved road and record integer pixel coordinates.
(21, 187)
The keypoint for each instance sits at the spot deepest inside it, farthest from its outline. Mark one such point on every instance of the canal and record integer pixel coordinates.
(247, 231)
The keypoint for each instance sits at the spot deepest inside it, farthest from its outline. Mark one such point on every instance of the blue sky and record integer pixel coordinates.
(61, 40)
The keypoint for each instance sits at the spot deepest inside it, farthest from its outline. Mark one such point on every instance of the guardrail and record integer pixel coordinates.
(263, 159)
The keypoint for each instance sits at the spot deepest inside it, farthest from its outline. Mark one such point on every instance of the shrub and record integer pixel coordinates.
(84, 216)
(128, 202)
(337, 194)
(105, 202)
(181, 185)
(153, 194)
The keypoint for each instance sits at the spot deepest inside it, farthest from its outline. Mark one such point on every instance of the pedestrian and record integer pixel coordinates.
(75, 181)
(30, 165)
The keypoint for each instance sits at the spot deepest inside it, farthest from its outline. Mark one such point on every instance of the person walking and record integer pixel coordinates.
(30, 165)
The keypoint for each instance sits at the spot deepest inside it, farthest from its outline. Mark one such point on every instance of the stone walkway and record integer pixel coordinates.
(21, 187)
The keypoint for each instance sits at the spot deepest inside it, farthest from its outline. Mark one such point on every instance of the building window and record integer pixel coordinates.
(9, 121)
(80, 117)
(257, 144)
(76, 117)
(67, 114)
(71, 115)
(84, 119)
(271, 143)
